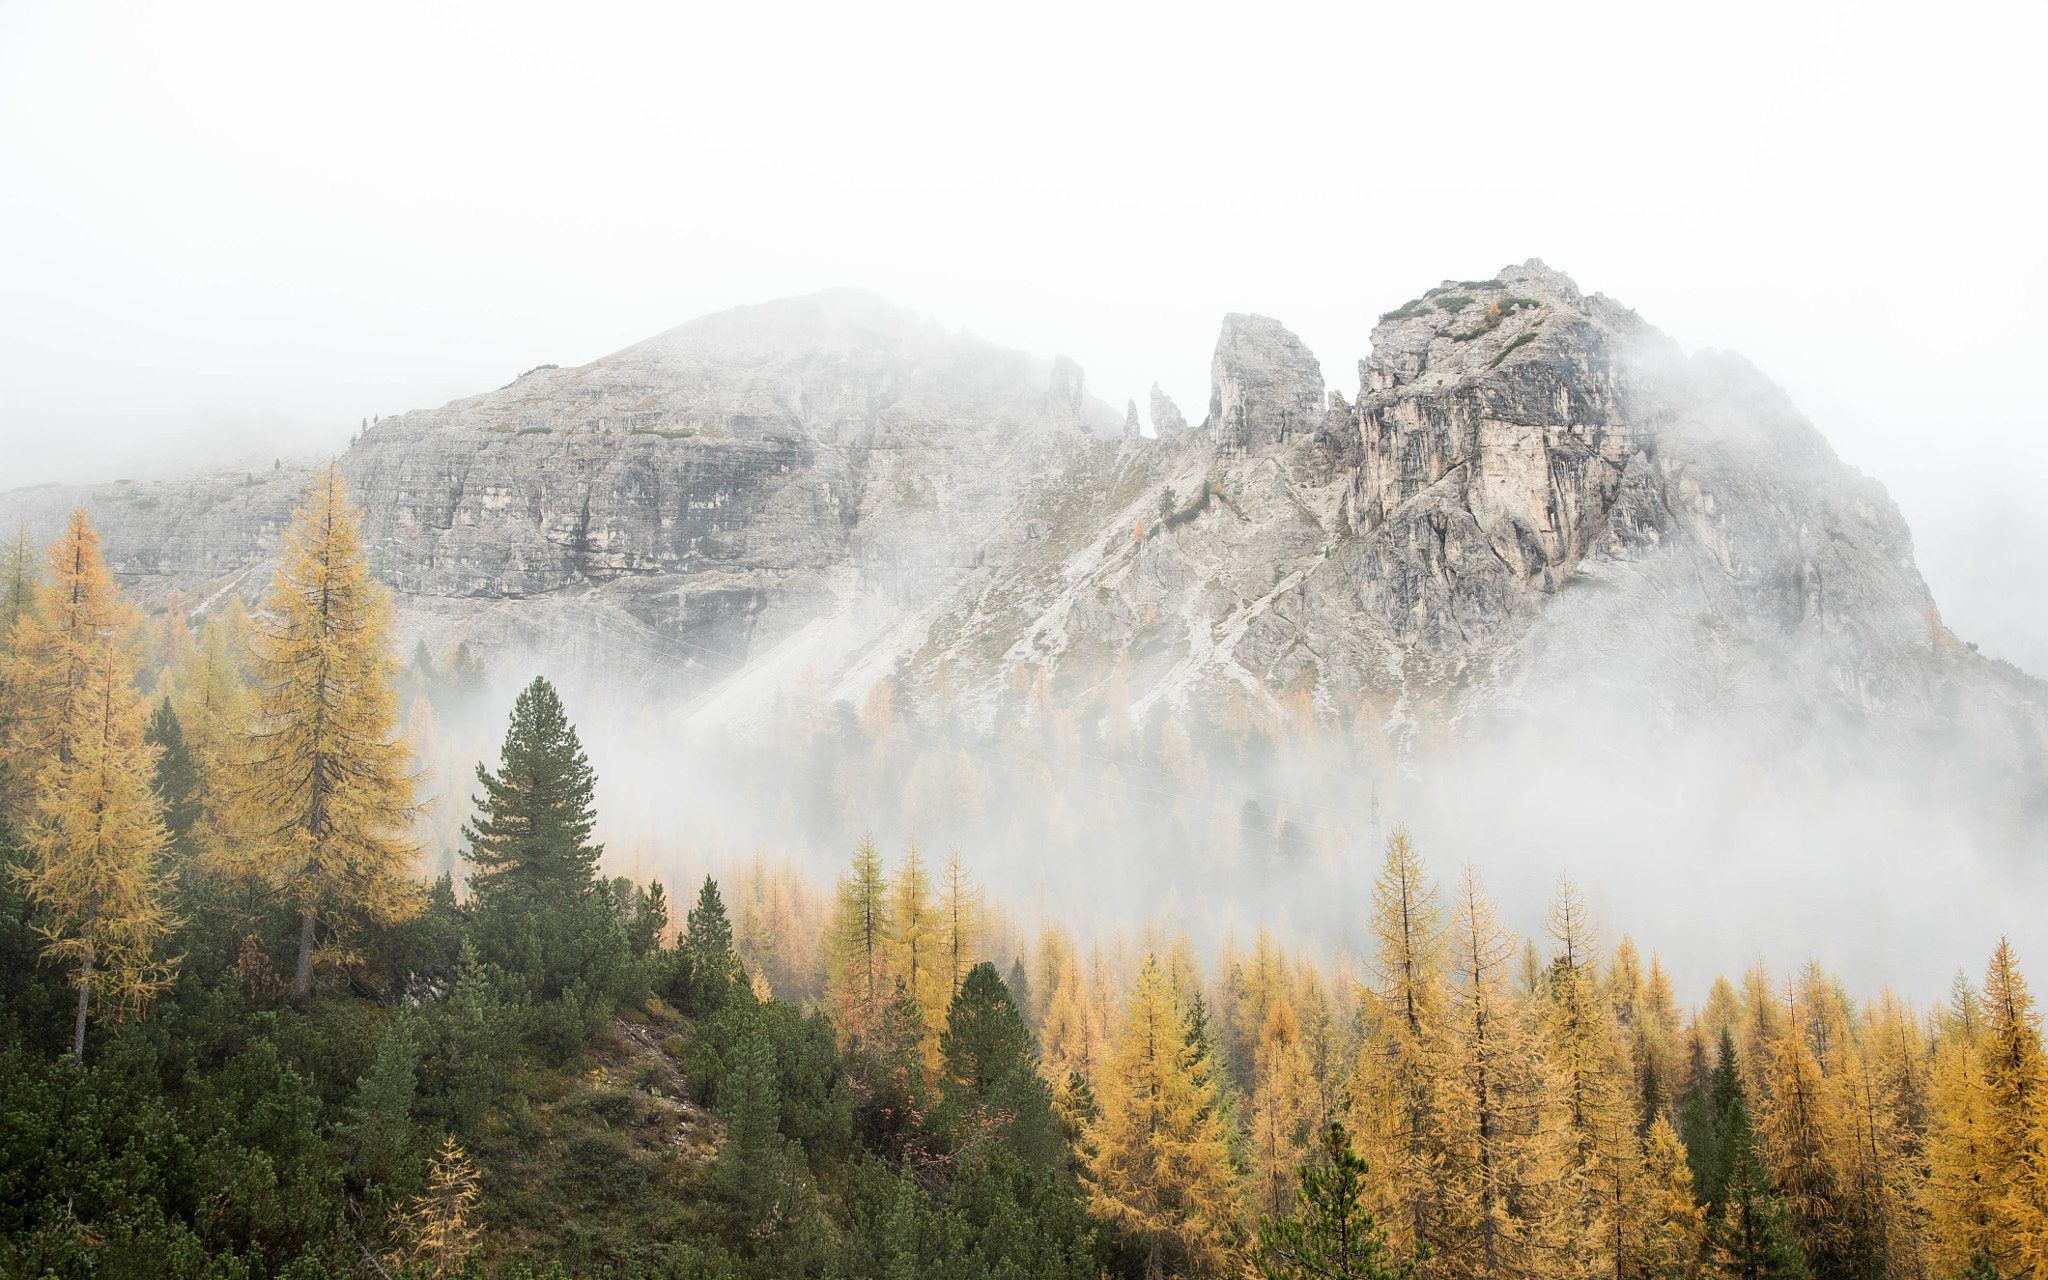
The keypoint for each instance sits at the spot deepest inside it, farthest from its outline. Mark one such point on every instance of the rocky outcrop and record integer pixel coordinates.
(1167, 419)
(1264, 385)
(1535, 503)
(1131, 431)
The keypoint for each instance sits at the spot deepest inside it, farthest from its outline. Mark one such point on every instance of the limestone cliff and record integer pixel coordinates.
(1535, 508)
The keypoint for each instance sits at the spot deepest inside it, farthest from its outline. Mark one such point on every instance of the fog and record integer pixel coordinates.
(232, 232)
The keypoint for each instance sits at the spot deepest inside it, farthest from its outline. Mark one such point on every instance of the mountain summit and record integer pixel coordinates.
(1535, 521)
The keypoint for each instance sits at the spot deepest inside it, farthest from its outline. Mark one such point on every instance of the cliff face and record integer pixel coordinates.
(1536, 509)
(1534, 503)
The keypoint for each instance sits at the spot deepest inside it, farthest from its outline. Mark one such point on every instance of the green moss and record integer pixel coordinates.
(535, 431)
(1454, 303)
(666, 433)
(1412, 307)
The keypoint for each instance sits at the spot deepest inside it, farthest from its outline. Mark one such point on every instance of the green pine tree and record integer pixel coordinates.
(709, 967)
(176, 779)
(1746, 1220)
(1333, 1236)
(535, 817)
(650, 918)
(749, 1165)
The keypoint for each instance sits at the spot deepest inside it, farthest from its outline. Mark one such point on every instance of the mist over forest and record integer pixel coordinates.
(865, 643)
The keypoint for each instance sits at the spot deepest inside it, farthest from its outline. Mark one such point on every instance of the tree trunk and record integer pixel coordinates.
(84, 999)
(85, 982)
(302, 978)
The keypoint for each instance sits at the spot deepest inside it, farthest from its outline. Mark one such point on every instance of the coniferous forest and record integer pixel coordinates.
(244, 1032)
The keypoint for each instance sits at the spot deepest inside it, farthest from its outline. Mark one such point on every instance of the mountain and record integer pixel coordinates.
(1538, 541)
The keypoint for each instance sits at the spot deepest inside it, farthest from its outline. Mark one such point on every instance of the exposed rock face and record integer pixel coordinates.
(1167, 419)
(1264, 385)
(1131, 431)
(1534, 504)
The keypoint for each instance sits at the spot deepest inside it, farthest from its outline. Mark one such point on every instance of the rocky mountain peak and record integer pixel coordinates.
(1264, 383)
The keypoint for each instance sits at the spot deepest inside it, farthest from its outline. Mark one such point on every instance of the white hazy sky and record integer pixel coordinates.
(231, 231)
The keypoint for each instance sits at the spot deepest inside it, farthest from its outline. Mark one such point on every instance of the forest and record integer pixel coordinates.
(256, 1022)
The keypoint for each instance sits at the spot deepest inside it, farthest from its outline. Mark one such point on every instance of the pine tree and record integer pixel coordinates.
(650, 918)
(1335, 1236)
(1158, 1168)
(749, 1165)
(175, 778)
(1749, 1233)
(96, 835)
(531, 835)
(327, 798)
(709, 964)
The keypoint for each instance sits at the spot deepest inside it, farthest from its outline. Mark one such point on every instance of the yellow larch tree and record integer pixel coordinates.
(1500, 1159)
(211, 698)
(962, 926)
(1761, 1026)
(1282, 1098)
(96, 833)
(1403, 1054)
(2015, 1074)
(919, 947)
(20, 579)
(1677, 1222)
(1962, 1204)
(441, 1227)
(1157, 1166)
(328, 797)
(55, 645)
(1801, 1132)
(862, 935)
(1602, 1158)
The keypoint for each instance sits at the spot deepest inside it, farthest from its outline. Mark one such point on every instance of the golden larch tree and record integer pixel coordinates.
(1403, 1055)
(962, 925)
(1500, 1155)
(920, 950)
(442, 1227)
(328, 798)
(96, 834)
(1158, 1168)
(1582, 1045)
(1283, 1094)
(862, 935)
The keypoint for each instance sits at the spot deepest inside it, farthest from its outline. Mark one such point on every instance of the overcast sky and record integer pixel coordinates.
(232, 231)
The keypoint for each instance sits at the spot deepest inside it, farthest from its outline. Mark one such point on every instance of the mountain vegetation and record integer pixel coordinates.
(246, 1033)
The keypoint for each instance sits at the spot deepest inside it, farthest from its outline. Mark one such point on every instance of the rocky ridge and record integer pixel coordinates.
(1532, 498)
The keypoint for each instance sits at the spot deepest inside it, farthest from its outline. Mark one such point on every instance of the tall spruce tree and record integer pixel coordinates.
(531, 834)
(176, 777)
(709, 967)
(328, 796)
(543, 912)
(1746, 1223)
